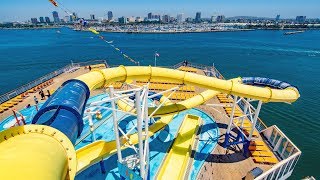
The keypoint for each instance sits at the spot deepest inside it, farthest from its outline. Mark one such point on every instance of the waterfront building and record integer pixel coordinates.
(301, 19)
(131, 19)
(139, 19)
(180, 18)
(150, 15)
(74, 16)
(110, 15)
(122, 20)
(47, 20)
(189, 19)
(221, 18)
(213, 19)
(66, 19)
(34, 20)
(166, 18)
(198, 17)
(278, 18)
(56, 18)
(41, 20)
(92, 17)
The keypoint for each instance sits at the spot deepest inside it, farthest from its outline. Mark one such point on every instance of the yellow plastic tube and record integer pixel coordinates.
(98, 78)
(36, 152)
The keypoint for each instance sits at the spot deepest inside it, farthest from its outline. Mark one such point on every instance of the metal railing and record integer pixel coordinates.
(11, 94)
(285, 149)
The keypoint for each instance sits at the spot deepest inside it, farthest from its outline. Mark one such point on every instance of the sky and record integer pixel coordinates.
(21, 10)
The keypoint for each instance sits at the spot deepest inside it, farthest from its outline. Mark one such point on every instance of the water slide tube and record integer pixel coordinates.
(63, 112)
(96, 79)
(45, 150)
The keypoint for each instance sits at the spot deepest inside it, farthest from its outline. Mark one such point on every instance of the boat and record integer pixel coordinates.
(293, 32)
(144, 122)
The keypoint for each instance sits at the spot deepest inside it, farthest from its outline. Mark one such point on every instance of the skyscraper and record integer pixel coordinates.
(41, 20)
(278, 18)
(220, 18)
(92, 17)
(166, 18)
(180, 18)
(198, 17)
(34, 20)
(123, 20)
(149, 15)
(110, 15)
(301, 19)
(47, 19)
(56, 18)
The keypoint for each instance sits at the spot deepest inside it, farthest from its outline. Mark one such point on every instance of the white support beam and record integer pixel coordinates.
(256, 114)
(139, 124)
(232, 114)
(115, 124)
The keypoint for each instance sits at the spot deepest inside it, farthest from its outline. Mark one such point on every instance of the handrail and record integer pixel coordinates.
(15, 92)
(7, 96)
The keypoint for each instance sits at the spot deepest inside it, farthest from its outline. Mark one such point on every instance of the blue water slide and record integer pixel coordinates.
(65, 108)
(263, 82)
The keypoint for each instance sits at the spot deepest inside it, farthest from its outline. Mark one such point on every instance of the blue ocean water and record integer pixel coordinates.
(28, 54)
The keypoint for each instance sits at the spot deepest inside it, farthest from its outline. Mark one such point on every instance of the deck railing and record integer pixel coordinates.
(284, 148)
(11, 94)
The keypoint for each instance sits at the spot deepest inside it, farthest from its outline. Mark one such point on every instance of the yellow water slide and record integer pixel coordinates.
(98, 78)
(42, 152)
(177, 159)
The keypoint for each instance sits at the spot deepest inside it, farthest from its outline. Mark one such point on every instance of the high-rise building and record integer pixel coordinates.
(139, 19)
(41, 20)
(56, 18)
(131, 19)
(34, 20)
(110, 15)
(189, 19)
(198, 17)
(92, 17)
(166, 18)
(278, 18)
(221, 18)
(67, 18)
(301, 19)
(123, 20)
(180, 18)
(149, 15)
(213, 19)
(47, 19)
(74, 16)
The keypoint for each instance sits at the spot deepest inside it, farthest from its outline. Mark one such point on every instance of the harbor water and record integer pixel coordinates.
(28, 54)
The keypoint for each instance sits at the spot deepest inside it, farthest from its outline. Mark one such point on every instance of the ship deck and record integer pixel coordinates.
(221, 163)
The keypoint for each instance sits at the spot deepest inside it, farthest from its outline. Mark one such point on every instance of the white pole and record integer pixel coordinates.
(256, 114)
(146, 127)
(155, 60)
(139, 123)
(115, 124)
(232, 114)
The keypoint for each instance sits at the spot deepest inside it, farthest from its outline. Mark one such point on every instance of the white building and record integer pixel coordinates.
(180, 18)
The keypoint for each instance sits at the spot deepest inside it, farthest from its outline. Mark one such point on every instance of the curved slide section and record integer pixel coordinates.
(36, 152)
(97, 79)
(45, 150)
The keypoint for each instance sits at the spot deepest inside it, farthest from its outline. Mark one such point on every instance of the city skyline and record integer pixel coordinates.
(14, 10)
